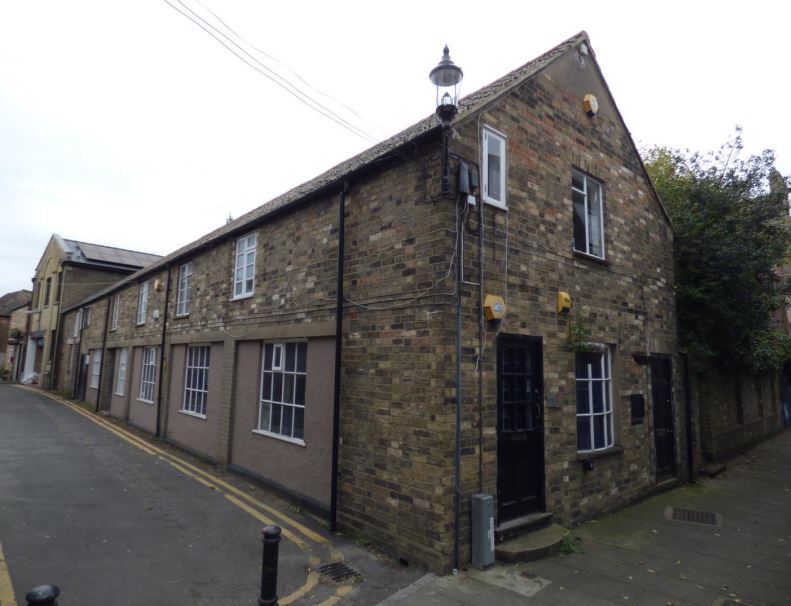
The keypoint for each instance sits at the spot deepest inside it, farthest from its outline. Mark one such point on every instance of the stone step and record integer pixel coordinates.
(540, 543)
(519, 526)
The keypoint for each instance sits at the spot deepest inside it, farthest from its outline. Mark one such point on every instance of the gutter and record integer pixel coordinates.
(457, 438)
(162, 356)
(56, 341)
(336, 400)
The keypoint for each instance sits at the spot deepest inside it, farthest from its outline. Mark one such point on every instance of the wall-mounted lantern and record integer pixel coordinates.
(446, 77)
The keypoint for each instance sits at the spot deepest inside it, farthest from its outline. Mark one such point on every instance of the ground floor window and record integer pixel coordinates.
(196, 380)
(283, 381)
(96, 363)
(594, 403)
(148, 374)
(120, 384)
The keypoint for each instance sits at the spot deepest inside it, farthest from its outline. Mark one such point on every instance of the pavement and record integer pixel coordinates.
(642, 556)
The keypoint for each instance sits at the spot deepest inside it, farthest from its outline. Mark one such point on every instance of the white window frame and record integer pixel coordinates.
(120, 384)
(604, 383)
(184, 290)
(116, 311)
(196, 380)
(587, 181)
(77, 323)
(96, 366)
(142, 302)
(148, 375)
(244, 266)
(87, 317)
(488, 134)
(272, 406)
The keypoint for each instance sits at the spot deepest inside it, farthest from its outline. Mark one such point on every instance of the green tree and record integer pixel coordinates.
(731, 233)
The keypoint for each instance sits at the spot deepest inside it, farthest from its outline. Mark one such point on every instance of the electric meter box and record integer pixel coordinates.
(482, 530)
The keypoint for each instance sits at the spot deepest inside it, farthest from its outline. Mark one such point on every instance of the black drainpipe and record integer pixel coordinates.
(688, 411)
(162, 356)
(104, 352)
(457, 449)
(336, 405)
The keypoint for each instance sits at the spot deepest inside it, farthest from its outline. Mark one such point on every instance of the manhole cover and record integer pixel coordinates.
(693, 516)
(338, 572)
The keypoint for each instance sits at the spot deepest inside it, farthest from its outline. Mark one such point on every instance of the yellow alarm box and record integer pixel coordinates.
(494, 307)
(564, 302)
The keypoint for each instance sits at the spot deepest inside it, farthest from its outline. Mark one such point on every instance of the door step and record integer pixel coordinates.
(540, 543)
(519, 526)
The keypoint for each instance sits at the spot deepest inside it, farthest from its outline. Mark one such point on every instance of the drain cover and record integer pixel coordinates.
(337, 572)
(693, 516)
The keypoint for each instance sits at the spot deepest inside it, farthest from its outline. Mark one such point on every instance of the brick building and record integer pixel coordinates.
(13, 317)
(68, 272)
(231, 347)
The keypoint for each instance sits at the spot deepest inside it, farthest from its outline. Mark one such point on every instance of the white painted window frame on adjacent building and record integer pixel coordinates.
(244, 266)
(196, 380)
(494, 167)
(184, 291)
(148, 374)
(77, 323)
(120, 383)
(96, 366)
(142, 302)
(116, 311)
(281, 410)
(595, 430)
(587, 196)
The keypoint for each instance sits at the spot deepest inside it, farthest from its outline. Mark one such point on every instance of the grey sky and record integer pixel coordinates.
(122, 123)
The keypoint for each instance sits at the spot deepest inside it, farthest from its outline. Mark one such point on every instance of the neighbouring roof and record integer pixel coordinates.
(14, 300)
(107, 256)
(379, 152)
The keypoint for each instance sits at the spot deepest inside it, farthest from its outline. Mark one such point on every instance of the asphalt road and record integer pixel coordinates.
(111, 524)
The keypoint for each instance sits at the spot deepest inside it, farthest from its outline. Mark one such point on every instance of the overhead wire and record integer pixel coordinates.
(267, 72)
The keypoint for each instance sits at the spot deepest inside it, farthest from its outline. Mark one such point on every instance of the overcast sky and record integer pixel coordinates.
(123, 123)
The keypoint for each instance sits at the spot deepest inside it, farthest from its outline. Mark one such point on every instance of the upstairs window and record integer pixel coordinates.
(586, 194)
(244, 267)
(114, 318)
(142, 302)
(47, 288)
(77, 324)
(184, 290)
(494, 167)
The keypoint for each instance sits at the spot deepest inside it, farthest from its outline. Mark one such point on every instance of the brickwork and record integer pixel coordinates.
(737, 411)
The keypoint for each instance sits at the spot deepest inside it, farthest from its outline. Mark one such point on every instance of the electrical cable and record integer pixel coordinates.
(268, 73)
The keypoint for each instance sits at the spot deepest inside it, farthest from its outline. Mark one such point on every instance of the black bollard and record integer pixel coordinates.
(43, 595)
(270, 536)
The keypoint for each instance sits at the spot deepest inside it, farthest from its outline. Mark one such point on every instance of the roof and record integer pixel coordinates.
(337, 174)
(14, 300)
(98, 254)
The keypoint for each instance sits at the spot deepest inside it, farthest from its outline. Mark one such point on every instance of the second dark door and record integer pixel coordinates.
(664, 434)
(520, 429)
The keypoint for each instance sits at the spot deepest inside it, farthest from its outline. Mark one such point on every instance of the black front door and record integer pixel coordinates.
(520, 433)
(664, 435)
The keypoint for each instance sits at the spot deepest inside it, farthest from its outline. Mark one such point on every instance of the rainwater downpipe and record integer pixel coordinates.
(104, 352)
(162, 356)
(457, 446)
(336, 400)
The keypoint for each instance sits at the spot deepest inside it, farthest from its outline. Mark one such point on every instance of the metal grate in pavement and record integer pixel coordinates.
(338, 572)
(693, 516)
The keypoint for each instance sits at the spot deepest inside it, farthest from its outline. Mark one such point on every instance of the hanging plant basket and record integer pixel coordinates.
(590, 355)
(641, 357)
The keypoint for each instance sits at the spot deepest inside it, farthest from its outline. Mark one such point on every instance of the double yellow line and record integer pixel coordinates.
(299, 534)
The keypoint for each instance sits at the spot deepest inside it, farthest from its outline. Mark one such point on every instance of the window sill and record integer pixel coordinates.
(578, 254)
(597, 454)
(276, 436)
(495, 203)
(150, 402)
(189, 413)
(140, 323)
(240, 297)
(181, 316)
(118, 394)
